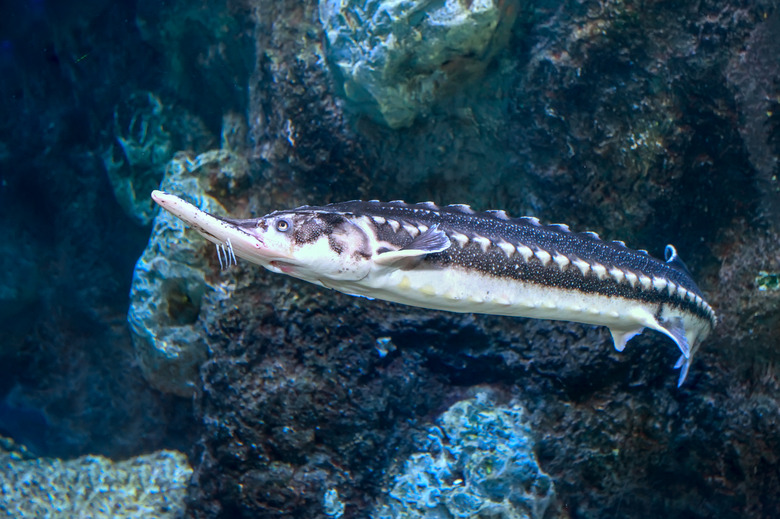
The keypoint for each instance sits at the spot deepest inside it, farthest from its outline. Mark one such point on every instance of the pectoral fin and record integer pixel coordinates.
(431, 241)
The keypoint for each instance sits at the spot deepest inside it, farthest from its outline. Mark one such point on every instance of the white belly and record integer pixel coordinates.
(458, 290)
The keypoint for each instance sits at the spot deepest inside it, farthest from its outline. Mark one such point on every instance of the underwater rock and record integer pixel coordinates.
(152, 485)
(755, 75)
(144, 146)
(749, 295)
(173, 275)
(147, 134)
(479, 462)
(395, 59)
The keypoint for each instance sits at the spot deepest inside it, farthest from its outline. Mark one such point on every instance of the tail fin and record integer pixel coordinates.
(674, 328)
(684, 363)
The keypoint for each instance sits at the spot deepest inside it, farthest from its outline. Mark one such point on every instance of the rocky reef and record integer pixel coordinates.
(394, 60)
(649, 123)
(171, 278)
(478, 461)
(152, 485)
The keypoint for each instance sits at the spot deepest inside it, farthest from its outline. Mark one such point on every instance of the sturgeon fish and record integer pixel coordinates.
(455, 259)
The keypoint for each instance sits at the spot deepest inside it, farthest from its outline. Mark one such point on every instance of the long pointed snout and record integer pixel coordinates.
(242, 236)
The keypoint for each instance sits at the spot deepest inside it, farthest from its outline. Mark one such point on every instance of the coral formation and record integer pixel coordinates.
(479, 462)
(395, 59)
(148, 486)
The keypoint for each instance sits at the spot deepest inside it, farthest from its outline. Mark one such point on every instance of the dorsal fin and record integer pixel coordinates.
(674, 261)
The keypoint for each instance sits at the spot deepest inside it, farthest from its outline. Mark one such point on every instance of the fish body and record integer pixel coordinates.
(455, 259)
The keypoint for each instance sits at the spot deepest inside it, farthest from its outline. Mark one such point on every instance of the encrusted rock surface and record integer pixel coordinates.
(144, 487)
(477, 461)
(396, 59)
(174, 274)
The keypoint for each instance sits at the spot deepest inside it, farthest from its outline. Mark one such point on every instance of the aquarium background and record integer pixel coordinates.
(132, 367)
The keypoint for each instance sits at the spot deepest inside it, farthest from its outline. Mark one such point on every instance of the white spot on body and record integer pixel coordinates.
(562, 261)
(428, 290)
(646, 282)
(462, 239)
(617, 274)
(659, 283)
(379, 220)
(411, 229)
(525, 252)
(600, 270)
(584, 266)
(394, 224)
(543, 256)
(483, 242)
(507, 247)
(503, 300)
(451, 295)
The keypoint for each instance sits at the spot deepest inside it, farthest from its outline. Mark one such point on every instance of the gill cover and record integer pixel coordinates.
(318, 245)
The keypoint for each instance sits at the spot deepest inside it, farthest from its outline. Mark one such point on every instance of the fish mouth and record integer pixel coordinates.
(240, 238)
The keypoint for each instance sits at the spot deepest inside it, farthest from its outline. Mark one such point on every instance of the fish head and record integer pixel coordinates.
(306, 243)
(317, 245)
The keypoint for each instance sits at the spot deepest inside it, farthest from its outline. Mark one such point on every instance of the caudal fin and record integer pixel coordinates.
(683, 363)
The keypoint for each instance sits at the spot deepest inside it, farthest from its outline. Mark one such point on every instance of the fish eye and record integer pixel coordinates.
(283, 225)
